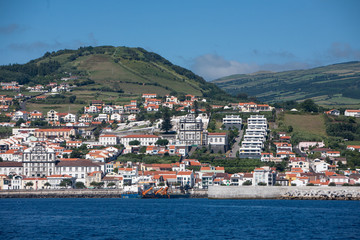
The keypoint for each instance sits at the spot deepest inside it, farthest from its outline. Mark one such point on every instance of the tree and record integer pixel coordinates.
(29, 184)
(162, 142)
(134, 142)
(47, 184)
(166, 124)
(75, 154)
(66, 183)
(72, 98)
(196, 108)
(309, 106)
(79, 185)
(332, 184)
(111, 184)
(19, 122)
(290, 129)
(116, 170)
(94, 184)
(262, 184)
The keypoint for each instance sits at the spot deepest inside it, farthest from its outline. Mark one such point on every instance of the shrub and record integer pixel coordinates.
(332, 184)
(247, 183)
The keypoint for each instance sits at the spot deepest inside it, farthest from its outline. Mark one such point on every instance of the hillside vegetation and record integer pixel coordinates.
(112, 74)
(334, 85)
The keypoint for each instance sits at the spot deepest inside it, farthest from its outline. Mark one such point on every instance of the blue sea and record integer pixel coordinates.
(178, 219)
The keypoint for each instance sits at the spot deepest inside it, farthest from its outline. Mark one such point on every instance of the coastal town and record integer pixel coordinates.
(154, 141)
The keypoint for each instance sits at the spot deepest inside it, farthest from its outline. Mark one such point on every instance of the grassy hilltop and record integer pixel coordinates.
(112, 74)
(335, 85)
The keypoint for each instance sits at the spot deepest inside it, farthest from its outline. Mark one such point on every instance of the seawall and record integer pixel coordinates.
(62, 193)
(274, 192)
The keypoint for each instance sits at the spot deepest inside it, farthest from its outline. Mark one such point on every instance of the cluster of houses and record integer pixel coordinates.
(40, 158)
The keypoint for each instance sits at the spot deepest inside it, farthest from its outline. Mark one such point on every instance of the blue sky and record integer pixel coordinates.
(212, 38)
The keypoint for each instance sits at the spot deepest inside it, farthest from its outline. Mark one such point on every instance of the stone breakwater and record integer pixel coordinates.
(263, 192)
(323, 194)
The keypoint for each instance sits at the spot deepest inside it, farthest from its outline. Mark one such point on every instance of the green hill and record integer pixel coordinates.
(113, 74)
(334, 85)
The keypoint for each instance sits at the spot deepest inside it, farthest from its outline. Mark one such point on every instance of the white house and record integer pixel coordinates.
(352, 113)
(70, 118)
(108, 109)
(217, 139)
(20, 114)
(77, 168)
(144, 140)
(108, 140)
(185, 178)
(320, 166)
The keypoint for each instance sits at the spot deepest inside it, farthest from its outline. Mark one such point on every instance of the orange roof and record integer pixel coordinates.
(108, 135)
(54, 130)
(285, 153)
(57, 176)
(217, 134)
(184, 173)
(35, 179)
(205, 168)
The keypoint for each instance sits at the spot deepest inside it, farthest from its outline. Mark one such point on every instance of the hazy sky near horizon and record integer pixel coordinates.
(212, 38)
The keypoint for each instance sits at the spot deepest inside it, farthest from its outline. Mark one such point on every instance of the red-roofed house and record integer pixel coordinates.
(352, 113)
(185, 178)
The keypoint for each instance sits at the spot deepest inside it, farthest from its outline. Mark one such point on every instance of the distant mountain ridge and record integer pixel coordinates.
(337, 84)
(127, 70)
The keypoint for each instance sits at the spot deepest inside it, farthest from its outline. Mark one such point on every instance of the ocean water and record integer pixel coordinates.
(178, 219)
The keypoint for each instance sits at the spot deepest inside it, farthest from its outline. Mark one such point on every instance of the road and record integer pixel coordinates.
(236, 146)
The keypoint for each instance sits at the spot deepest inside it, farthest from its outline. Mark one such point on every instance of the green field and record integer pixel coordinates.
(313, 124)
(44, 108)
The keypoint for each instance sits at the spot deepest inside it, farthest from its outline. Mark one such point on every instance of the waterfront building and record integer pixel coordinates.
(264, 175)
(78, 168)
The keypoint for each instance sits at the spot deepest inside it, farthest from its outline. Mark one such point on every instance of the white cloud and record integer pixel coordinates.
(212, 66)
(339, 50)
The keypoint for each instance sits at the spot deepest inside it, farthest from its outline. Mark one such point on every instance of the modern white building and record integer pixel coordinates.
(231, 121)
(264, 175)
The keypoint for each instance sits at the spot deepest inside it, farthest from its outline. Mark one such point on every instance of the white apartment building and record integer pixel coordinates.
(108, 140)
(231, 121)
(264, 175)
(77, 168)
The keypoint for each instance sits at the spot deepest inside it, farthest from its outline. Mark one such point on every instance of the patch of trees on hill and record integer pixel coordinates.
(23, 73)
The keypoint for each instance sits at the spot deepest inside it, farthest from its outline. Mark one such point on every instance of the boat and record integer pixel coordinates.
(171, 196)
(162, 193)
